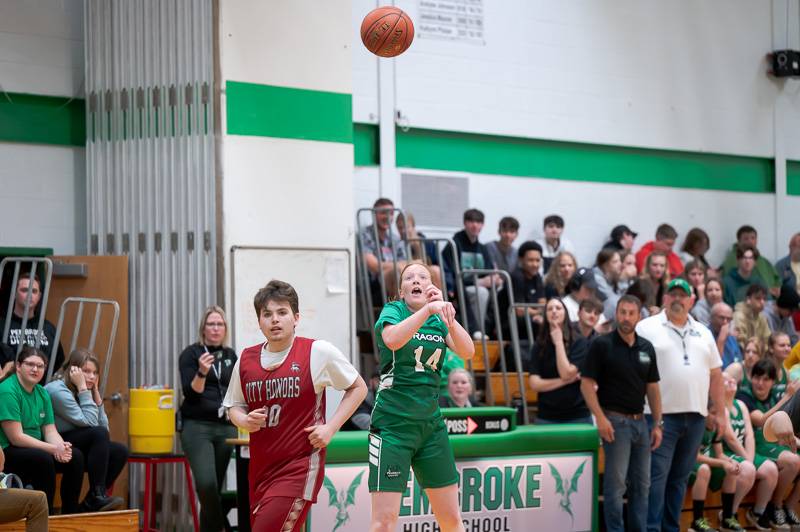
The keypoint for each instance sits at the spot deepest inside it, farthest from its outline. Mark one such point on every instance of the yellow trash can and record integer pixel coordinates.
(151, 421)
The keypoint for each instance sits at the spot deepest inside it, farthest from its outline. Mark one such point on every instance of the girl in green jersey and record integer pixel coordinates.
(740, 371)
(407, 429)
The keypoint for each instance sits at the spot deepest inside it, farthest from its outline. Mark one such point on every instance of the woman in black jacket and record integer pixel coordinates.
(206, 368)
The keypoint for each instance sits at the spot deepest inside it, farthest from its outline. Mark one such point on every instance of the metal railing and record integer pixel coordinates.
(98, 311)
(44, 286)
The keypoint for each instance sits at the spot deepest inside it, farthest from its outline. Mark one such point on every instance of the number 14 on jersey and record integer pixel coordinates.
(432, 362)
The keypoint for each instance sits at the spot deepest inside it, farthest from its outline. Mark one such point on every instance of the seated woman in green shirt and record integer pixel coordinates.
(34, 450)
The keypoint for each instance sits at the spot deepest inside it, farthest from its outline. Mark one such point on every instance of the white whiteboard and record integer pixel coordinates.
(322, 279)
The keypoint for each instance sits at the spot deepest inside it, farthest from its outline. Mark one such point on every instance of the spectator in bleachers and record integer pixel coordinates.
(554, 241)
(779, 313)
(471, 254)
(33, 447)
(81, 420)
(643, 291)
(622, 238)
(6, 360)
(716, 470)
(752, 352)
(695, 246)
(747, 318)
(388, 247)
(721, 327)
(739, 441)
(761, 403)
(589, 312)
(737, 280)
(747, 236)
(581, 286)
(459, 390)
(695, 273)
(423, 251)
(629, 272)
(17, 503)
(778, 349)
(555, 282)
(206, 368)
(555, 369)
(502, 251)
(15, 334)
(607, 271)
(619, 371)
(701, 311)
(527, 283)
(689, 366)
(664, 242)
(788, 267)
(655, 273)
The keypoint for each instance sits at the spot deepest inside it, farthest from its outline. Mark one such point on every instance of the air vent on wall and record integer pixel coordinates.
(435, 201)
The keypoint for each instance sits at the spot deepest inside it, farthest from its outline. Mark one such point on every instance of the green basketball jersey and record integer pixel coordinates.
(779, 388)
(737, 424)
(410, 376)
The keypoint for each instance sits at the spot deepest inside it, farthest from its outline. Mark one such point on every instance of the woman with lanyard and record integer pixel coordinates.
(206, 368)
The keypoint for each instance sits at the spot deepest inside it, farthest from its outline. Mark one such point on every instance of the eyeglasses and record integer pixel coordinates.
(215, 324)
(34, 365)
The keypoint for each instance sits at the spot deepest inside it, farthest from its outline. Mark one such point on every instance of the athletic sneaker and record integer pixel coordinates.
(758, 521)
(701, 525)
(792, 519)
(778, 520)
(730, 524)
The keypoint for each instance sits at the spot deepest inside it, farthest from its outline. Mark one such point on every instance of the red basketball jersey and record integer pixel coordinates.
(283, 463)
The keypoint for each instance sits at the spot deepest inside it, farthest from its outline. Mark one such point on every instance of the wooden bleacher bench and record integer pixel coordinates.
(498, 394)
(492, 349)
(119, 521)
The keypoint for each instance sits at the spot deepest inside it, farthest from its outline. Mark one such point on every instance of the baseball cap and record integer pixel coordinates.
(620, 230)
(583, 277)
(680, 283)
(789, 298)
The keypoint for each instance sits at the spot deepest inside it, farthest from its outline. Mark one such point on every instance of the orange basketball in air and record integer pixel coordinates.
(387, 31)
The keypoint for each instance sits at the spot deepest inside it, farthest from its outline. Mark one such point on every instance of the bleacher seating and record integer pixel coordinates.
(119, 521)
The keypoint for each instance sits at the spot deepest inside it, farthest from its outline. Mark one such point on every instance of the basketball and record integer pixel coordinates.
(387, 31)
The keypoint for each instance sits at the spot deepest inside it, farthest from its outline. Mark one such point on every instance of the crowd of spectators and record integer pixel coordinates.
(713, 348)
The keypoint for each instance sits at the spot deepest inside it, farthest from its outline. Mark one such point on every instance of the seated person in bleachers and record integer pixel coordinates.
(502, 251)
(17, 503)
(695, 247)
(778, 349)
(459, 390)
(643, 291)
(629, 272)
(388, 247)
(656, 275)
(779, 313)
(752, 352)
(34, 449)
(739, 444)
(788, 267)
(715, 470)
(15, 333)
(6, 360)
(555, 369)
(622, 238)
(81, 420)
(695, 273)
(607, 270)
(471, 254)
(737, 280)
(589, 312)
(747, 318)
(527, 283)
(562, 270)
(581, 286)
(762, 403)
(664, 242)
(450, 362)
(702, 308)
(721, 325)
(554, 241)
(747, 236)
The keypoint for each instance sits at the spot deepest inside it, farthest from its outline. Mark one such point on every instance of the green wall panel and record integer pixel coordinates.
(366, 145)
(793, 178)
(35, 119)
(270, 111)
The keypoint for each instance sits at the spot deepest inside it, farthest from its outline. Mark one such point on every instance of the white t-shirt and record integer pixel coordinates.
(329, 367)
(685, 373)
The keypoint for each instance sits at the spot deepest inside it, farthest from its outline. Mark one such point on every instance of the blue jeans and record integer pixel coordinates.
(584, 420)
(627, 458)
(670, 466)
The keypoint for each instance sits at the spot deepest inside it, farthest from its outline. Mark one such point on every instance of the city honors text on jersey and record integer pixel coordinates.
(274, 388)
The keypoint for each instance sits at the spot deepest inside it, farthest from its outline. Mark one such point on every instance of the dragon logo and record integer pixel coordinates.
(341, 500)
(566, 490)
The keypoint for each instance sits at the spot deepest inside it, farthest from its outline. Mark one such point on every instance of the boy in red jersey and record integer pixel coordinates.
(277, 393)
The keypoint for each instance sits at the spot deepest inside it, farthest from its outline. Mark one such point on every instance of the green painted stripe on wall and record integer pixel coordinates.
(496, 155)
(34, 119)
(366, 145)
(270, 111)
(793, 178)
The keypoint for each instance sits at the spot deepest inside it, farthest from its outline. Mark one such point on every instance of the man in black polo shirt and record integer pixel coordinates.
(619, 370)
